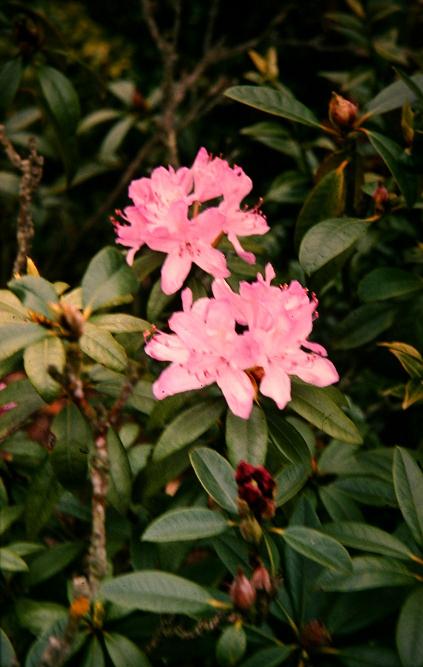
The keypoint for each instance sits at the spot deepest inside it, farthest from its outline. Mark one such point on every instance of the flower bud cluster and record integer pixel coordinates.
(256, 488)
(244, 591)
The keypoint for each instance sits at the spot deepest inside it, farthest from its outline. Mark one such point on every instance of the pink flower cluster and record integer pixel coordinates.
(184, 213)
(243, 342)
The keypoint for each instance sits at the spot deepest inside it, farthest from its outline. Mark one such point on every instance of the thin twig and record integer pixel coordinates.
(32, 169)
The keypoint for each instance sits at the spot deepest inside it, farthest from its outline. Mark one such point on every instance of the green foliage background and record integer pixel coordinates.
(93, 84)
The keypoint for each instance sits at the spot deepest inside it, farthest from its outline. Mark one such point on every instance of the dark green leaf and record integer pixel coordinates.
(327, 240)
(94, 656)
(316, 406)
(51, 561)
(37, 616)
(232, 550)
(9, 515)
(7, 652)
(120, 482)
(394, 96)
(367, 490)
(246, 439)
(115, 136)
(187, 427)
(159, 592)
(27, 401)
(367, 538)
(108, 280)
(73, 441)
(157, 301)
(290, 480)
(318, 547)
(395, 159)
(368, 656)
(231, 645)
(271, 657)
(410, 358)
(339, 505)
(409, 630)
(61, 99)
(42, 497)
(325, 201)
(185, 524)
(36, 293)
(11, 562)
(387, 283)
(100, 345)
(123, 652)
(276, 102)
(217, 477)
(287, 440)
(408, 484)
(10, 78)
(363, 325)
(368, 572)
(38, 359)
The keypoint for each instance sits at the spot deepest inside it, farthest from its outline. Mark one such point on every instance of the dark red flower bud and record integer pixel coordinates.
(261, 580)
(342, 112)
(242, 593)
(256, 487)
(380, 197)
(314, 634)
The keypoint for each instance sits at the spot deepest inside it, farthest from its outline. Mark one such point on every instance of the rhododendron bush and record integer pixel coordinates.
(210, 371)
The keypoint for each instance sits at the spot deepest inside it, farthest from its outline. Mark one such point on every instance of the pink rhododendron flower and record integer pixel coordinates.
(168, 215)
(267, 347)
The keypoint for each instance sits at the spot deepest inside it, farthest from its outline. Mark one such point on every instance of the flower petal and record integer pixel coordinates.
(237, 390)
(174, 271)
(276, 384)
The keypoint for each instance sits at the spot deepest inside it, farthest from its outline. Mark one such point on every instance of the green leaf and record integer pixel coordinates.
(232, 550)
(51, 561)
(41, 499)
(120, 481)
(36, 293)
(409, 630)
(363, 325)
(9, 303)
(187, 427)
(231, 645)
(38, 358)
(115, 136)
(217, 477)
(387, 283)
(290, 187)
(97, 117)
(316, 406)
(70, 453)
(37, 616)
(123, 652)
(395, 159)
(276, 102)
(394, 96)
(27, 401)
(287, 440)
(141, 397)
(271, 657)
(147, 262)
(185, 524)
(367, 538)
(325, 201)
(7, 652)
(94, 656)
(290, 480)
(367, 490)
(8, 516)
(246, 439)
(10, 78)
(408, 484)
(120, 323)
(11, 562)
(318, 547)
(339, 505)
(157, 301)
(327, 240)
(61, 99)
(108, 280)
(14, 337)
(368, 572)
(410, 358)
(155, 591)
(100, 345)
(368, 656)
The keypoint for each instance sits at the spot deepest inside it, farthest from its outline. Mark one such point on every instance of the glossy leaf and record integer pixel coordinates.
(409, 630)
(36, 294)
(187, 427)
(38, 616)
(159, 592)
(27, 401)
(369, 655)
(217, 477)
(363, 325)
(11, 562)
(368, 572)
(287, 440)
(410, 358)
(231, 645)
(94, 656)
(7, 652)
(123, 652)
(15, 337)
(38, 359)
(100, 345)
(315, 405)
(8, 516)
(120, 482)
(327, 240)
(271, 657)
(246, 439)
(73, 440)
(318, 547)
(325, 201)
(367, 538)
(408, 484)
(10, 78)
(276, 102)
(61, 99)
(9, 303)
(394, 96)
(45, 565)
(108, 280)
(43, 494)
(290, 480)
(120, 323)
(185, 524)
(387, 283)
